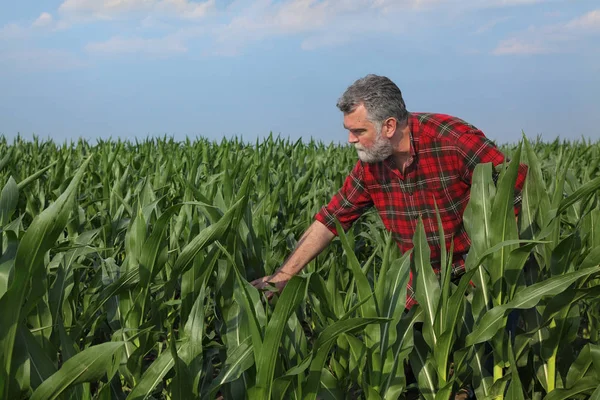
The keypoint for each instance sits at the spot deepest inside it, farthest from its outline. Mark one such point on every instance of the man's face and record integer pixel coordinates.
(371, 146)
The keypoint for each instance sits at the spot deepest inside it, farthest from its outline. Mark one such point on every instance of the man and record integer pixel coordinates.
(408, 163)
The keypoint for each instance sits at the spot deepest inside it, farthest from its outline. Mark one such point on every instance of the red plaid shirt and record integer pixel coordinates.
(444, 151)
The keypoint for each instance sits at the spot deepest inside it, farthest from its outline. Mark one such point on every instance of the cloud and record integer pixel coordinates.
(114, 9)
(318, 23)
(317, 19)
(589, 22)
(19, 30)
(491, 24)
(235, 24)
(153, 47)
(553, 38)
(455, 5)
(517, 46)
(44, 19)
(12, 31)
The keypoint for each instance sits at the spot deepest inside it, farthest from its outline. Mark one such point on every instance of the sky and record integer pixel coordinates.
(216, 68)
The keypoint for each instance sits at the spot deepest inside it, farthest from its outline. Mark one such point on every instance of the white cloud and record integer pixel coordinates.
(12, 31)
(152, 47)
(44, 19)
(491, 24)
(517, 46)
(317, 23)
(589, 22)
(324, 22)
(455, 5)
(113, 9)
(554, 38)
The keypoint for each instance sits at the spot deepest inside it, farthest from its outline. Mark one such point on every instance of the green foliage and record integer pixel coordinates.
(125, 270)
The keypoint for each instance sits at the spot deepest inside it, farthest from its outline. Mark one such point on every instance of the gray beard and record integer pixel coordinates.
(379, 151)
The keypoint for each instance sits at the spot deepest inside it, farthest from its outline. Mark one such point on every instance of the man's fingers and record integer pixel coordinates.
(269, 288)
(260, 282)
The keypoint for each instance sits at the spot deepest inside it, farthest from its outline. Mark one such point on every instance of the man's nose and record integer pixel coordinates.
(352, 138)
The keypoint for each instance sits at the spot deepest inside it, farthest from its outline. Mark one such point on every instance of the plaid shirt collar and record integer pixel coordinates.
(414, 134)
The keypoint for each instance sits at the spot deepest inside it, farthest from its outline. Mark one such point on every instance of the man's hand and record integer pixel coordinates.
(312, 242)
(278, 280)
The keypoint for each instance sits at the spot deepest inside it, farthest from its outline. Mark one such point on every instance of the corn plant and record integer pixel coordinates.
(125, 270)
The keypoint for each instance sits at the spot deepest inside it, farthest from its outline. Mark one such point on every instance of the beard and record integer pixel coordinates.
(379, 150)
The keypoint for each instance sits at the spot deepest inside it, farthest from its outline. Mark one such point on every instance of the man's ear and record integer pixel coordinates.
(389, 127)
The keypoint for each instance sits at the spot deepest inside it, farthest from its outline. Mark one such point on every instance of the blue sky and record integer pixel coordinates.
(182, 68)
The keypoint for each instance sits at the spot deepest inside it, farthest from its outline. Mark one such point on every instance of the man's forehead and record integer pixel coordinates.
(355, 120)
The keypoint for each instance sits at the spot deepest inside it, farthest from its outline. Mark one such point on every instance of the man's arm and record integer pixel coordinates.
(345, 206)
(314, 240)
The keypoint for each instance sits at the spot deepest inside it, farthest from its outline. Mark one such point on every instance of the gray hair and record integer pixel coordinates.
(381, 97)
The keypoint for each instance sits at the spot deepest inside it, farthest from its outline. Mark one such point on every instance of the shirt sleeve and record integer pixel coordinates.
(474, 148)
(348, 203)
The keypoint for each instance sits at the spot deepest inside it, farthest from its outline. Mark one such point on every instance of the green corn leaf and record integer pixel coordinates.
(477, 221)
(394, 299)
(318, 287)
(515, 388)
(154, 375)
(492, 320)
(514, 268)
(240, 359)
(586, 385)
(503, 227)
(445, 392)
(595, 353)
(535, 196)
(149, 255)
(9, 198)
(587, 189)
(322, 346)
(70, 350)
(368, 309)
(193, 332)
(7, 260)
(28, 370)
(596, 394)
(39, 238)
(329, 387)
(383, 271)
(209, 235)
(134, 239)
(27, 181)
(248, 299)
(88, 366)
(125, 282)
(478, 213)
(425, 282)
(455, 307)
(423, 368)
(498, 388)
(445, 274)
(5, 160)
(293, 293)
(580, 367)
(181, 384)
(393, 371)
(565, 300)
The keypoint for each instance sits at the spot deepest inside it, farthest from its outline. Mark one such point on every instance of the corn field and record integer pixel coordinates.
(125, 270)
